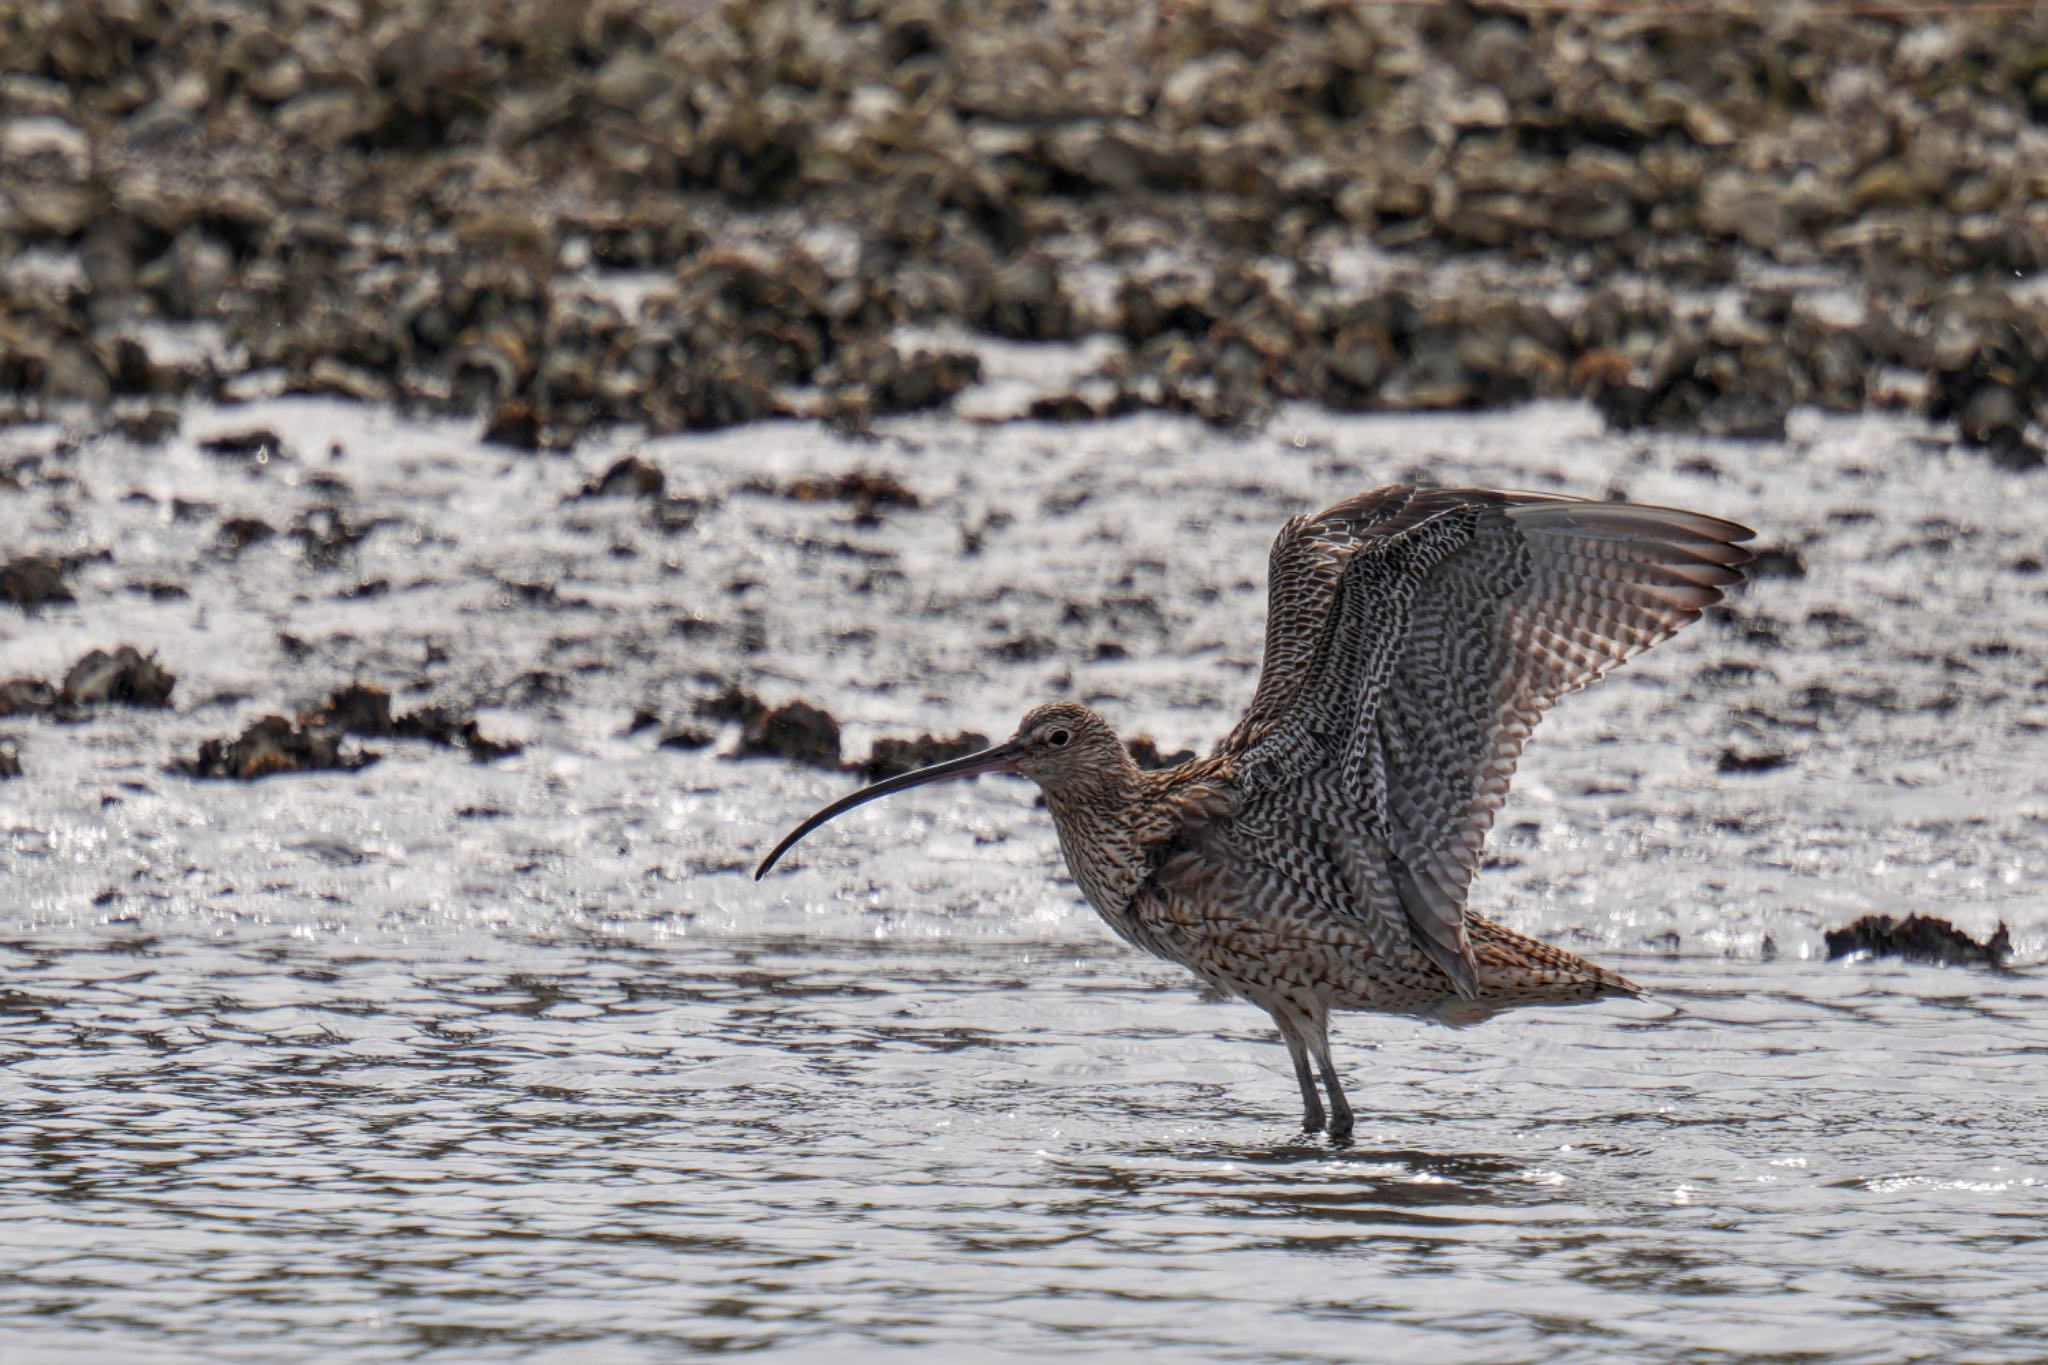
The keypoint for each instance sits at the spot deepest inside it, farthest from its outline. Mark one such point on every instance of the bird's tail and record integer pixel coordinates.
(1516, 970)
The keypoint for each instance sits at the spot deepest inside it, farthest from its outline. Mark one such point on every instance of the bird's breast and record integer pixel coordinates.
(1106, 877)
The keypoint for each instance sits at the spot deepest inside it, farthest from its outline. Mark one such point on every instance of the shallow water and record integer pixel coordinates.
(523, 1147)
(513, 1060)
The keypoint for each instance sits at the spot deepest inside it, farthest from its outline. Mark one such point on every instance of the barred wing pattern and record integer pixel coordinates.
(1308, 557)
(1416, 637)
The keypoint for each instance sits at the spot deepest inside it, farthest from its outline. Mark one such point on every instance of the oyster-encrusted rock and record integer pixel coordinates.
(1374, 207)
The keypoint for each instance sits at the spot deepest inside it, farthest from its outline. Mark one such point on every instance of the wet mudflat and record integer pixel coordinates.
(511, 1058)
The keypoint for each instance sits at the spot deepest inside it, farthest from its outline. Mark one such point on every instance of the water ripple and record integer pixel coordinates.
(831, 1146)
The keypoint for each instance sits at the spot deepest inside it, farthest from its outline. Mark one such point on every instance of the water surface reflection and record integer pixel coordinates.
(744, 1144)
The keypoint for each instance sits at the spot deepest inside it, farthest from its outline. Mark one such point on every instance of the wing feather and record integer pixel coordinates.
(1415, 638)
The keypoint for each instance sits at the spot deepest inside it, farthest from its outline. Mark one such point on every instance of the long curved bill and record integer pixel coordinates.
(1000, 758)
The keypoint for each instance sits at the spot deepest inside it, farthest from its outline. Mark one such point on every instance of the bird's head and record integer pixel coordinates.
(1064, 747)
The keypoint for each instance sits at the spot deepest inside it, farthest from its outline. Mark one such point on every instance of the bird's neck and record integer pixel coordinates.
(1097, 823)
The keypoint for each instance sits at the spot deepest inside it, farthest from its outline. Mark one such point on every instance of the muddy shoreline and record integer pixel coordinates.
(531, 648)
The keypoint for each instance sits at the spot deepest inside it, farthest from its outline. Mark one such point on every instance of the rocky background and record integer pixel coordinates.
(561, 213)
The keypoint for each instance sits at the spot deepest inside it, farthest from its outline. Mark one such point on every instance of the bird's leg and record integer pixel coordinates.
(1340, 1108)
(1311, 1102)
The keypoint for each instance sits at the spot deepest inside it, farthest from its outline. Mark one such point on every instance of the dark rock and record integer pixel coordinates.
(10, 760)
(258, 445)
(878, 379)
(534, 687)
(1028, 301)
(734, 703)
(538, 593)
(674, 514)
(516, 424)
(126, 676)
(717, 393)
(2017, 454)
(1145, 753)
(274, 745)
(631, 477)
(239, 533)
(357, 709)
(1084, 405)
(1734, 673)
(686, 737)
(1919, 938)
(890, 757)
(364, 710)
(440, 725)
(1761, 761)
(33, 580)
(868, 492)
(26, 697)
(1992, 415)
(1778, 561)
(483, 749)
(145, 426)
(795, 730)
(325, 536)
(1025, 648)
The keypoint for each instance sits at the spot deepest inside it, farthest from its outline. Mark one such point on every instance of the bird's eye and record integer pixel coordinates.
(1058, 738)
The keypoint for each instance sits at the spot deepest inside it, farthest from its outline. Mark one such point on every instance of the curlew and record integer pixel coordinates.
(1319, 858)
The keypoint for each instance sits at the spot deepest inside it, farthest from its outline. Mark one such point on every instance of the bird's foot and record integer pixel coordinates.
(1311, 1106)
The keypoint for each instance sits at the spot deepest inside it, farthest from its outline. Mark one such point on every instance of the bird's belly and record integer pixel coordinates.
(1317, 963)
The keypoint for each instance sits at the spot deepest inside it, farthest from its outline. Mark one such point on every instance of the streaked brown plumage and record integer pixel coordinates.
(1319, 859)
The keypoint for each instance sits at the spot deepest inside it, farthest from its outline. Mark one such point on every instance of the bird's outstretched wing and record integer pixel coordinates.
(1415, 637)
